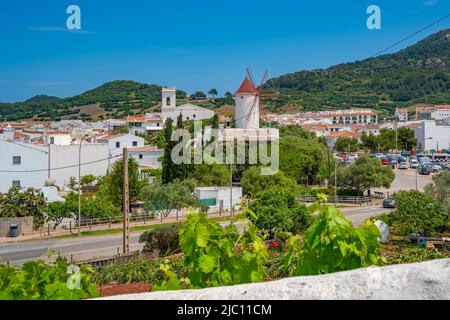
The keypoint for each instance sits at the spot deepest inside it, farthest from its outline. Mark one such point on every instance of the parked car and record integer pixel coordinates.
(424, 170)
(352, 156)
(414, 164)
(406, 154)
(435, 167)
(389, 203)
(402, 159)
(384, 161)
(403, 166)
(393, 161)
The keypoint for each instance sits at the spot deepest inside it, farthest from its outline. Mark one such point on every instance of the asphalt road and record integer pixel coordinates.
(102, 246)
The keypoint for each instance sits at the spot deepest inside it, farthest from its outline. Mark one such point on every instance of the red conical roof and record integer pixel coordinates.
(247, 87)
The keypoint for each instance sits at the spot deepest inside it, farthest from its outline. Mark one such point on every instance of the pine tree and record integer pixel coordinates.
(215, 121)
(167, 164)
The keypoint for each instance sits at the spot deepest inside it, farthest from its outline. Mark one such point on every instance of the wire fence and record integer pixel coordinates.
(347, 200)
(70, 226)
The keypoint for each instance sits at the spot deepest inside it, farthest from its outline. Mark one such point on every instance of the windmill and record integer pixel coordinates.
(248, 103)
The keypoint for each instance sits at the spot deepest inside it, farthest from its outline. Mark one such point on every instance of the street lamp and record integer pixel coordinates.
(79, 184)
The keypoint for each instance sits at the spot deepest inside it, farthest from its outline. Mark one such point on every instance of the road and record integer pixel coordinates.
(107, 245)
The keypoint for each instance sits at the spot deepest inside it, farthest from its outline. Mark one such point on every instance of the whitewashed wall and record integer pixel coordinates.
(32, 158)
(64, 156)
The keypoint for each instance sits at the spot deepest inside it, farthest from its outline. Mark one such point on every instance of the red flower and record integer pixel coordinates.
(275, 244)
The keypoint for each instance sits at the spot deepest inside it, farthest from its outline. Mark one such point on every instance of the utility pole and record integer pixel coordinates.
(231, 189)
(417, 187)
(396, 137)
(79, 184)
(329, 165)
(126, 203)
(335, 183)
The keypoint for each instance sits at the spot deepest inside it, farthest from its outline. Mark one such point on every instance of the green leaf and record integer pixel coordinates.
(207, 263)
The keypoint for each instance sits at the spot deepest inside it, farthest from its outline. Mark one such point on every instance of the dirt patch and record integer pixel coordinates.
(110, 290)
(93, 110)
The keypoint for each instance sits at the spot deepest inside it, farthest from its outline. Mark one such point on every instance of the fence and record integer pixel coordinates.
(70, 227)
(348, 200)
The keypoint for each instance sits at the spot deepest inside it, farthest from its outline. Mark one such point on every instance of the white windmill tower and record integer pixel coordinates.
(248, 104)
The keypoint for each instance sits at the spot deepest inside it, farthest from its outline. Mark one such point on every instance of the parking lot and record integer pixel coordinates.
(406, 180)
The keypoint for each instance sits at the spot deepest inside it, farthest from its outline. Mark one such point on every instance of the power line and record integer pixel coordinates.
(60, 168)
(412, 35)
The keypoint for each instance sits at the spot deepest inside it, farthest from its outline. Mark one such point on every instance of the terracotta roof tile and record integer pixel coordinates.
(247, 87)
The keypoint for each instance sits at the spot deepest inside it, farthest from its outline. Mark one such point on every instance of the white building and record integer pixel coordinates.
(117, 142)
(431, 136)
(218, 198)
(27, 165)
(57, 138)
(147, 157)
(401, 114)
(17, 160)
(352, 116)
(188, 111)
(64, 161)
(434, 113)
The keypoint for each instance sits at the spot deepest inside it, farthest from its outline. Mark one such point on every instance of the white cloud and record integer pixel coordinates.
(57, 29)
(430, 3)
(171, 50)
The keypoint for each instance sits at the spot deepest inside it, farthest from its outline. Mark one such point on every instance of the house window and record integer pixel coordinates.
(194, 116)
(16, 184)
(141, 156)
(17, 160)
(118, 144)
(52, 140)
(134, 143)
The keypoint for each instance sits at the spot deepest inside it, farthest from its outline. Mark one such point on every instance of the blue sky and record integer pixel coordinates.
(191, 44)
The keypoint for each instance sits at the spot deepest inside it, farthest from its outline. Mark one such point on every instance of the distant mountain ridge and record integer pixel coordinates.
(415, 75)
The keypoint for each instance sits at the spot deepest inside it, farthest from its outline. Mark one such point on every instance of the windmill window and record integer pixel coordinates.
(168, 101)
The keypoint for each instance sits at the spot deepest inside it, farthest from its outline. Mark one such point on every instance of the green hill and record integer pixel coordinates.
(116, 98)
(417, 74)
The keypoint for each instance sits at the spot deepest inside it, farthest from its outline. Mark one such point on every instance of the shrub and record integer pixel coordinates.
(217, 256)
(161, 241)
(253, 182)
(136, 271)
(439, 189)
(23, 203)
(416, 213)
(39, 281)
(278, 210)
(332, 244)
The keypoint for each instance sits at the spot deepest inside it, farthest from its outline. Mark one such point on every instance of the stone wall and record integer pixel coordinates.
(25, 225)
(424, 281)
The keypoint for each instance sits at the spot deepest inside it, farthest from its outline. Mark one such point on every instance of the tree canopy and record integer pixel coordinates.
(365, 174)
